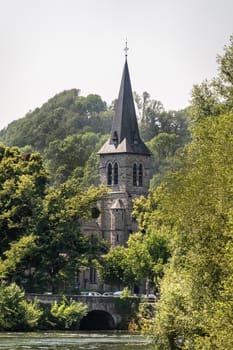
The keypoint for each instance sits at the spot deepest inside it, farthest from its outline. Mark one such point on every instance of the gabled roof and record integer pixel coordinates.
(125, 137)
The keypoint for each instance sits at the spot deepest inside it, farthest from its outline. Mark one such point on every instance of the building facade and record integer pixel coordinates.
(124, 168)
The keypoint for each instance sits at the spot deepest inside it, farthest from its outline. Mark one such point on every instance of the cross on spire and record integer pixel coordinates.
(126, 49)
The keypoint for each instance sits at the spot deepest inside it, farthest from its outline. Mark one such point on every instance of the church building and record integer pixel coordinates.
(124, 168)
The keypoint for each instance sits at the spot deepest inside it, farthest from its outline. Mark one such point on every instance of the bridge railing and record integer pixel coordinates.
(50, 298)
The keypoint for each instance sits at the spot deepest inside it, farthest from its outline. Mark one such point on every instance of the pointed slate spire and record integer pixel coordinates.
(125, 137)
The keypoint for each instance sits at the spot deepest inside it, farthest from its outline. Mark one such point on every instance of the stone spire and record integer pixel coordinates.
(125, 137)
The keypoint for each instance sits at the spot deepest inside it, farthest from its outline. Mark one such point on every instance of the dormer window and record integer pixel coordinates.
(115, 139)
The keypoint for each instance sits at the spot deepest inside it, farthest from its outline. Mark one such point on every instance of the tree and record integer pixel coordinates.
(66, 113)
(67, 314)
(153, 119)
(15, 312)
(91, 169)
(205, 101)
(142, 259)
(23, 181)
(15, 259)
(149, 114)
(67, 158)
(42, 245)
(62, 248)
(214, 97)
(225, 82)
(194, 205)
(111, 268)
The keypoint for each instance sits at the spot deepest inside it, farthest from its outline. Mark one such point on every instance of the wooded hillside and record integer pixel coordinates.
(69, 129)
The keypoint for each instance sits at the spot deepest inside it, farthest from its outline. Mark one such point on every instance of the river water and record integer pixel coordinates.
(74, 341)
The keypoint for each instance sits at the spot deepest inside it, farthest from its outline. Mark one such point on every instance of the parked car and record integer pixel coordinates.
(108, 294)
(91, 294)
(149, 297)
(118, 293)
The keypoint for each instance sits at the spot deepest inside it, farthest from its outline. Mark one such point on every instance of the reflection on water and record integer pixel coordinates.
(73, 341)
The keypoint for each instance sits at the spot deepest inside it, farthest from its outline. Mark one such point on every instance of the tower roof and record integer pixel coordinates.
(125, 137)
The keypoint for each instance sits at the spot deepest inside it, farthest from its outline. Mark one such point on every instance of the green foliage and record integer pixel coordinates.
(194, 205)
(64, 114)
(14, 258)
(112, 267)
(142, 259)
(205, 101)
(212, 98)
(66, 130)
(127, 306)
(15, 312)
(165, 133)
(40, 228)
(224, 83)
(67, 314)
(62, 248)
(22, 188)
(67, 158)
(145, 315)
(91, 169)
(125, 293)
(155, 120)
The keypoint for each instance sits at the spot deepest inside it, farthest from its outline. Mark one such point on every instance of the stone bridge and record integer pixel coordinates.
(103, 313)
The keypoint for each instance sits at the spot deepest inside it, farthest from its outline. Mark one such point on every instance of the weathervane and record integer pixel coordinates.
(126, 49)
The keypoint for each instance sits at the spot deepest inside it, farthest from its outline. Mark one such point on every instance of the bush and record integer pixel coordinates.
(67, 314)
(15, 312)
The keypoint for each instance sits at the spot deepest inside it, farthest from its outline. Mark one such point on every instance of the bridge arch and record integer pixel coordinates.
(97, 320)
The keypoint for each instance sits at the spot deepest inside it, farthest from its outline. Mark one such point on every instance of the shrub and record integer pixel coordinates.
(67, 314)
(15, 312)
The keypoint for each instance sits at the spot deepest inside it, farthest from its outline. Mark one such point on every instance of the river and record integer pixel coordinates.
(74, 341)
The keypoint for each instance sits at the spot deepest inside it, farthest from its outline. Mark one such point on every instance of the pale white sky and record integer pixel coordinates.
(47, 46)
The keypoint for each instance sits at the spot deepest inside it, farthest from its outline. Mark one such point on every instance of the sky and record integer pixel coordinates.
(48, 46)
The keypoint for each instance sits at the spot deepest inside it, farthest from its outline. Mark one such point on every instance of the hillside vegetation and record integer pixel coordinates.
(66, 113)
(69, 129)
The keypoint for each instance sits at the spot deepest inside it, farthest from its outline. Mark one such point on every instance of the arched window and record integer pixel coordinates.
(109, 174)
(115, 174)
(140, 175)
(135, 175)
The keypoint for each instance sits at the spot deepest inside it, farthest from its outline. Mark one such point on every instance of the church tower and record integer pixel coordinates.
(124, 168)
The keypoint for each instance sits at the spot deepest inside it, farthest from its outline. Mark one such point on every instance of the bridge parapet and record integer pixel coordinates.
(114, 308)
(108, 305)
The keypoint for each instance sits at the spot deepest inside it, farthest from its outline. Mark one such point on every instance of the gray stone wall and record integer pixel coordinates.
(117, 223)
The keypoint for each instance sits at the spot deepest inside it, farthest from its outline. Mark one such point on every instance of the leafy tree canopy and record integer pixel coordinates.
(142, 259)
(15, 312)
(23, 182)
(40, 227)
(66, 113)
(194, 206)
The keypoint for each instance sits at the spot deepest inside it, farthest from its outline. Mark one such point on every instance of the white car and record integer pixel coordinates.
(91, 294)
(118, 293)
(108, 294)
(149, 297)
